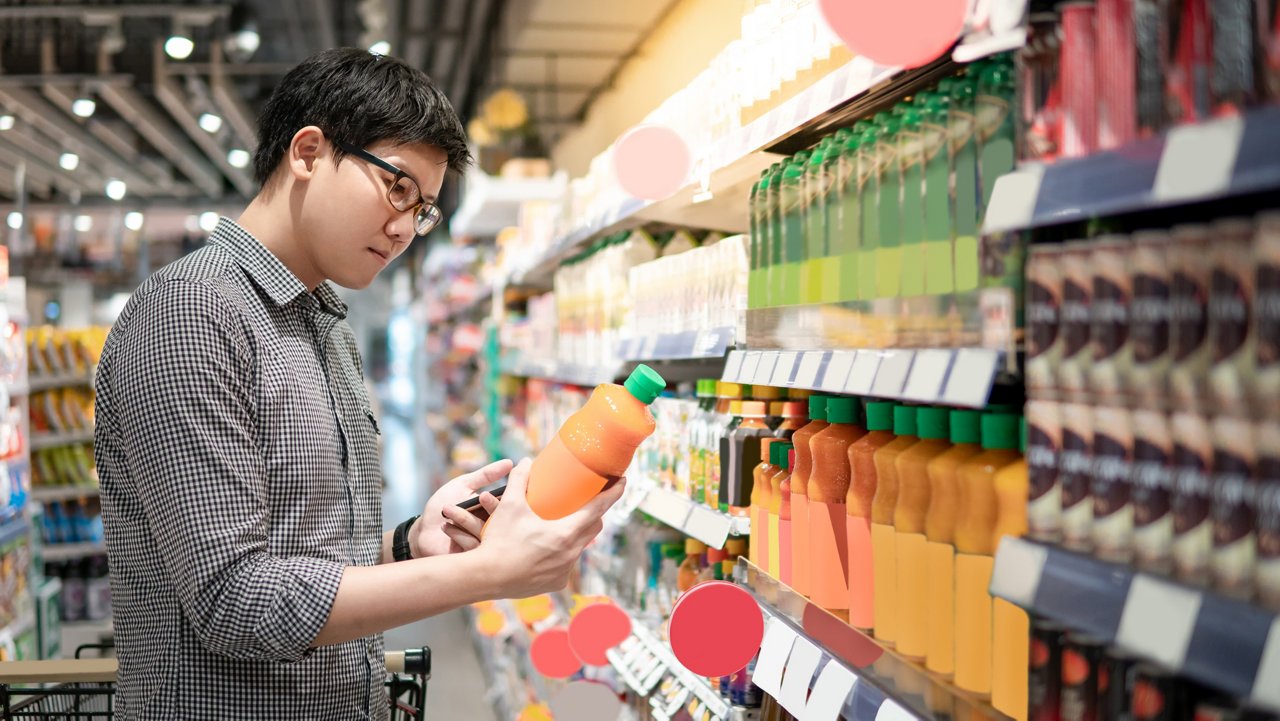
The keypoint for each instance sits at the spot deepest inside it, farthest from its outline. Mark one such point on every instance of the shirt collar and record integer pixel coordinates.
(268, 272)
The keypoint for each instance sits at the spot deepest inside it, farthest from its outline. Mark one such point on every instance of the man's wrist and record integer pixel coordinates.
(402, 545)
(413, 538)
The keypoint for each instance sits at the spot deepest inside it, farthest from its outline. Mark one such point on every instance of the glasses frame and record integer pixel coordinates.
(420, 209)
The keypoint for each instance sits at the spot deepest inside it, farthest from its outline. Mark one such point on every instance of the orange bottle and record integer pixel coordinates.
(800, 493)
(794, 415)
(594, 445)
(975, 547)
(939, 532)
(828, 489)
(884, 542)
(691, 568)
(761, 489)
(1011, 627)
(772, 398)
(780, 555)
(932, 426)
(858, 502)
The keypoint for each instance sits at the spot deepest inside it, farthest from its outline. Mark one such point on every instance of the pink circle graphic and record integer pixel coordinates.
(596, 629)
(585, 701)
(651, 161)
(909, 33)
(716, 628)
(552, 655)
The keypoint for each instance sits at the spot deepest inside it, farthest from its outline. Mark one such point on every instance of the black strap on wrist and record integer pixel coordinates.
(400, 541)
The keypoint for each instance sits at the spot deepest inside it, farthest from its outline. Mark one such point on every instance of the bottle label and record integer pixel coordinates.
(1076, 466)
(1152, 481)
(1109, 487)
(1192, 532)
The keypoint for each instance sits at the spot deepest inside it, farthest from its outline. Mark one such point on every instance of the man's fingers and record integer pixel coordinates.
(486, 476)
(597, 506)
(464, 540)
(464, 520)
(489, 502)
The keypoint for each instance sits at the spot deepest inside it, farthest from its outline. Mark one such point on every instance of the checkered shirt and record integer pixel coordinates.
(239, 466)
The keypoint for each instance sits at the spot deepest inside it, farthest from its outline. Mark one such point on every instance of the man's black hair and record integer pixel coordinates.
(357, 98)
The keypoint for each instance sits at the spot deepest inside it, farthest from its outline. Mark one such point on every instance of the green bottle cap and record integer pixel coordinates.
(932, 422)
(819, 155)
(1000, 431)
(841, 410)
(793, 172)
(784, 454)
(997, 75)
(842, 135)
(880, 415)
(910, 117)
(904, 420)
(801, 157)
(645, 384)
(817, 408)
(890, 125)
(773, 454)
(852, 142)
(966, 426)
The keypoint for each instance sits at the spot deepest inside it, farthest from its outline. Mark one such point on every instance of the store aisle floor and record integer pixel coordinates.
(458, 685)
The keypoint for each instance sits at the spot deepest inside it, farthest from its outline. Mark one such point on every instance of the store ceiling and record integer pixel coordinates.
(559, 54)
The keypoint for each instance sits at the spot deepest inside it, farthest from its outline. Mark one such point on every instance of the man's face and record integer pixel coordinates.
(350, 229)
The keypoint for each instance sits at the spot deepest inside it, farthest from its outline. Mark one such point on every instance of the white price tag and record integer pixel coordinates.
(892, 376)
(795, 680)
(647, 348)
(774, 651)
(863, 374)
(1019, 566)
(842, 361)
(972, 373)
(928, 374)
(782, 371)
(1198, 160)
(749, 367)
(829, 693)
(708, 526)
(891, 710)
(810, 364)
(764, 373)
(1265, 689)
(1158, 620)
(668, 507)
(1013, 200)
(733, 366)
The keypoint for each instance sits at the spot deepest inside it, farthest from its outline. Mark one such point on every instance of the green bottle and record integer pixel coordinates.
(772, 258)
(845, 247)
(939, 270)
(829, 263)
(759, 239)
(815, 223)
(964, 144)
(889, 242)
(790, 198)
(995, 93)
(911, 163)
(869, 177)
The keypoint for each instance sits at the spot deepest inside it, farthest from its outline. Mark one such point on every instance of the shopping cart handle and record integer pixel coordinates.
(416, 661)
(83, 670)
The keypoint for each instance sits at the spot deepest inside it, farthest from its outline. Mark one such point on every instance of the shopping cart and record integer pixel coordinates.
(84, 689)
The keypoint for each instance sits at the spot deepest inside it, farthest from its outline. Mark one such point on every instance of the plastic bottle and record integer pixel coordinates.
(846, 242)
(975, 547)
(736, 547)
(909, 516)
(995, 122)
(815, 221)
(779, 516)
(939, 271)
(772, 258)
(715, 564)
(858, 504)
(691, 567)
(726, 394)
(939, 531)
(800, 468)
(771, 397)
(698, 430)
(889, 242)
(828, 264)
(964, 179)
(883, 537)
(869, 172)
(761, 493)
(759, 239)
(794, 415)
(790, 198)
(1011, 627)
(744, 457)
(594, 445)
(911, 166)
(828, 489)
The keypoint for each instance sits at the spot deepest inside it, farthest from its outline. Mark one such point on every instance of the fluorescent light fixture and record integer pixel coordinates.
(133, 220)
(248, 40)
(84, 107)
(69, 161)
(84, 223)
(6, 121)
(179, 46)
(15, 220)
(382, 47)
(208, 221)
(192, 224)
(210, 123)
(238, 157)
(116, 189)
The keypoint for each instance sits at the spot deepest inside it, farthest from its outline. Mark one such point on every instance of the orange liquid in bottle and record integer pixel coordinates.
(594, 445)
(761, 492)
(828, 489)
(884, 542)
(858, 502)
(800, 493)
(780, 508)
(1011, 627)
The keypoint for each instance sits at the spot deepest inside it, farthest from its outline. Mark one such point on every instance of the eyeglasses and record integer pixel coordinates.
(403, 193)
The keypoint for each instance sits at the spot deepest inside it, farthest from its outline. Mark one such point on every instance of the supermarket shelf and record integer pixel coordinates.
(1188, 164)
(47, 494)
(41, 441)
(13, 529)
(1227, 644)
(955, 377)
(874, 679)
(661, 661)
(37, 383)
(19, 626)
(73, 551)
(491, 203)
(678, 346)
(568, 373)
(693, 519)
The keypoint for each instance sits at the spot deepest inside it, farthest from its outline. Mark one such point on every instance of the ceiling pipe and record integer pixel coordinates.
(104, 14)
(37, 172)
(164, 137)
(229, 102)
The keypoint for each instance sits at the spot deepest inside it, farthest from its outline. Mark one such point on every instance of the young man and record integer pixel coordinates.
(235, 446)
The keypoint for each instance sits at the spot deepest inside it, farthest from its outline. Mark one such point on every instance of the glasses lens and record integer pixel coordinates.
(403, 194)
(428, 218)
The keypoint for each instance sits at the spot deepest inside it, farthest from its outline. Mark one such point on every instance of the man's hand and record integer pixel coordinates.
(445, 528)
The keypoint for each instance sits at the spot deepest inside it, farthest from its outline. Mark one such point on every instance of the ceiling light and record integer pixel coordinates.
(69, 161)
(15, 220)
(6, 121)
(116, 189)
(248, 41)
(84, 223)
(133, 220)
(208, 221)
(179, 46)
(192, 224)
(83, 107)
(238, 158)
(382, 47)
(210, 123)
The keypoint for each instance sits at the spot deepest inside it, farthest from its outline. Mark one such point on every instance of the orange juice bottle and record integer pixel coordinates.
(858, 502)
(828, 489)
(594, 445)
(975, 546)
(735, 548)
(794, 415)
(800, 468)
(691, 568)
(1011, 627)
(780, 513)
(884, 548)
(772, 398)
(933, 428)
(761, 489)
(939, 532)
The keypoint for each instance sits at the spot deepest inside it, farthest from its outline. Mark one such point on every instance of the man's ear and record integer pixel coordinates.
(305, 150)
